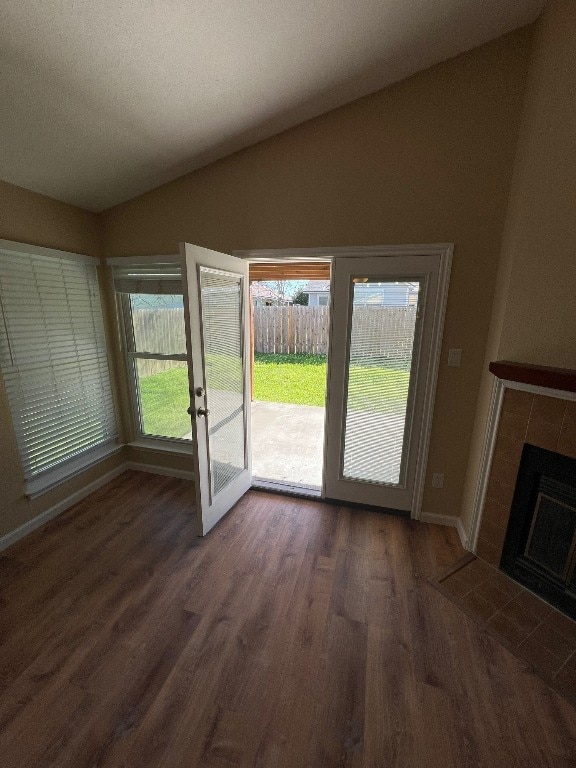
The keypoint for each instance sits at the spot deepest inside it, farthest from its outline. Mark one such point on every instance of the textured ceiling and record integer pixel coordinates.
(102, 100)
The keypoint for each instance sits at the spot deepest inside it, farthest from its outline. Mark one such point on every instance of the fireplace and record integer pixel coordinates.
(540, 544)
(525, 509)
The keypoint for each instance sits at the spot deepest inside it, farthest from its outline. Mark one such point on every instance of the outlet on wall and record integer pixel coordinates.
(438, 480)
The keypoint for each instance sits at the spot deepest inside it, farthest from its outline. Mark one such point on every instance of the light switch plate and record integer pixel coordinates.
(437, 480)
(454, 358)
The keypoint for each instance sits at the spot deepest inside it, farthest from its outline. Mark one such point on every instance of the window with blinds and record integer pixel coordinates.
(53, 358)
(152, 308)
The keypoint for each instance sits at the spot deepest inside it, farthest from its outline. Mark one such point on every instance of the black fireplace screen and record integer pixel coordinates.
(540, 546)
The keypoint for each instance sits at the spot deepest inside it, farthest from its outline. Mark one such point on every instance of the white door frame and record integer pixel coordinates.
(445, 252)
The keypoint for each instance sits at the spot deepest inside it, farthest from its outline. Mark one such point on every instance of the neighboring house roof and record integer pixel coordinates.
(317, 286)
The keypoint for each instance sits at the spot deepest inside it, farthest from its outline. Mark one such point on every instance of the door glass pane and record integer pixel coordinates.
(222, 338)
(163, 398)
(379, 366)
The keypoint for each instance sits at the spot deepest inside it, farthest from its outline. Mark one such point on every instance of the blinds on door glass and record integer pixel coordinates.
(383, 329)
(53, 357)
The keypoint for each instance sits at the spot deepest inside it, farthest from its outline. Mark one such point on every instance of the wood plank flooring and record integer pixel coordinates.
(297, 635)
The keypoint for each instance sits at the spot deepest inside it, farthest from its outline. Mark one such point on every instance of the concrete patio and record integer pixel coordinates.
(287, 443)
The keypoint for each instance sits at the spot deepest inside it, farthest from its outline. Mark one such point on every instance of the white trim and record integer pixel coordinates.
(169, 445)
(61, 473)
(36, 250)
(154, 469)
(129, 260)
(486, 461)
(449, 520)
(463, 533)
(445, 252)
(561, 394)
(327, 254)
(36, 522)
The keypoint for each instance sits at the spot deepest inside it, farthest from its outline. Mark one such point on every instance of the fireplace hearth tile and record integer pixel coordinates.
(543, 434)
(488, 552)
(508, 449)
(535, 632)
(504, 471)
(553, 642)
(517, 613)
(496, 513)
(477, 606)
(550, 409)
(494, 596)
(567, 439)
(494, 534)
(513, 425)
(562, 624)
(534, 605)
(539, 657)
(507, 629)
(505, 583)
(500, 492)
(518, 402)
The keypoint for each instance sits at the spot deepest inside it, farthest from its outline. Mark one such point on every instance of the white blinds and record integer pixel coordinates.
(53, 357)
(156, 278)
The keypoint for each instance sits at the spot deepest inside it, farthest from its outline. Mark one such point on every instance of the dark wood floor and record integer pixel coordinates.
(296, 634)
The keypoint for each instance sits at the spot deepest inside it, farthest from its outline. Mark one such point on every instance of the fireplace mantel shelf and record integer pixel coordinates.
(537, 375)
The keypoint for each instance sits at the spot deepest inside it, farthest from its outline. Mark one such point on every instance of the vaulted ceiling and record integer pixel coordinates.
(102, 100)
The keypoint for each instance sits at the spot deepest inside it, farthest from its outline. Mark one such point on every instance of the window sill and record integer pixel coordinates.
(163, 446)
(69, 469)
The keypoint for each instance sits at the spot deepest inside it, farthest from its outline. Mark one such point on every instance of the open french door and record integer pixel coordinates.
(386, 323)
(216, 308)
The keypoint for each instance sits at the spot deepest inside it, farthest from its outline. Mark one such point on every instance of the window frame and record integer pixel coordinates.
(131, 355)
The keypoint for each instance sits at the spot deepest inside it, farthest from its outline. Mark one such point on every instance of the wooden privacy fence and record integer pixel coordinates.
(291, 330)
(160, 331)
(381, 331)
(384, 331)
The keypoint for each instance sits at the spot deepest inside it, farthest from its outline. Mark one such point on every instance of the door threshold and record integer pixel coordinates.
(287, 489)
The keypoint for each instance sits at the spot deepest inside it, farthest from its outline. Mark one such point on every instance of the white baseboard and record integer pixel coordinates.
(184, 474)
(449, 520)
(36, 522)
(49, 514)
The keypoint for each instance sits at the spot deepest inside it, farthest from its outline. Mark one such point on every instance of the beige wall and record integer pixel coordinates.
(428, 160)
(31, 218)
(539, 324)
(27, 217)
(534, 317)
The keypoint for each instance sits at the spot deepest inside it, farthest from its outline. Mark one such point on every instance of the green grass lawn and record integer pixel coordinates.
(301, 379)
(298, 379)
(164, 397)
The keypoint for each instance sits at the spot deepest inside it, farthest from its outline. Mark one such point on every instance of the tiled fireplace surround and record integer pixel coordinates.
(541, 416)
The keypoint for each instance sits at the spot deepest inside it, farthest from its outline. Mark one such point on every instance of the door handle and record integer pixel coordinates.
(202, 411)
